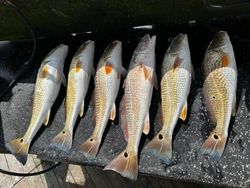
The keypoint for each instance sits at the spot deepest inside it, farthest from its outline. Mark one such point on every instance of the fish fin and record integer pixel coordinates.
(146, 72)
(183, 115)
(90, 147)
(113, 113)
(78, 66)
(155, 81)
(146, 127)
(214, 146)
(234, 110)
(46, 120)
(124, 84)
(123, 119)
(19, 148)
(108, 68)
(44, 72)
(82, 109)
(224, 60)
(177, 63)
(123, 71)
(63, 140)
(125, 164)
(192, 71)
(61, 78)
(161, 147)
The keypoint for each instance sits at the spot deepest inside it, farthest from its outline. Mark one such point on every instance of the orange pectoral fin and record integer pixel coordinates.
(146, 73)
(225, 60)
(177, 63)
(78, 66)
(45, 72)
(108, 69)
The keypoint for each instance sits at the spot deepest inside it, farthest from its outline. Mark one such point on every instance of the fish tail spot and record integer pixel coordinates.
(78, 66)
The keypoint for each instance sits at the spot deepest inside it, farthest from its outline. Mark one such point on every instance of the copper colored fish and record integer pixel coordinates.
(135, 103)
(48, 82)
(219, 91)
(175, 87)
(107, 84)
(81, 69)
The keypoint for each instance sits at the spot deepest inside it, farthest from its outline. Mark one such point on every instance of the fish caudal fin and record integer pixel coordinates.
(90, 147)
(214, 146)
(160, 147)
(125, 164)
(19, 148)
(63, 141)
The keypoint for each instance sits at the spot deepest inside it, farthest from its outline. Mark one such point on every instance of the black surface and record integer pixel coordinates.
(232, 170)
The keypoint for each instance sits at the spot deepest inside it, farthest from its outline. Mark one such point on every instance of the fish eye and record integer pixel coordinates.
(216, 137)
(160, 136)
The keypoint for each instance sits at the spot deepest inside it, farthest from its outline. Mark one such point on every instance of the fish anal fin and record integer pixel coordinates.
(146, 127)
(183, 115)
(113, 113)
(46, 120)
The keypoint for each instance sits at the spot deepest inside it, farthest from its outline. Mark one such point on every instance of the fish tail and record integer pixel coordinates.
(63, 140)
(125, 164)
(19, 148)
(214, 145)
(90, 147)
(161, 147)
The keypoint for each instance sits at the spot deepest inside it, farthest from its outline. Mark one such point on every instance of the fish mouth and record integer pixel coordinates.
(180, 41)
(220, 39)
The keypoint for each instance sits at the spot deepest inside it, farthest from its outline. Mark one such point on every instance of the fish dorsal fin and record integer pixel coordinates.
(123, 119)
(183, 115)
(93, 71)
(46, 120)
(192, 71)
(155, 81)
(146, 127)
(113, 113)
(177, 63)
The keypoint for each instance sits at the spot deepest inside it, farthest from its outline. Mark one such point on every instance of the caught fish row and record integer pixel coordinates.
(219, 90)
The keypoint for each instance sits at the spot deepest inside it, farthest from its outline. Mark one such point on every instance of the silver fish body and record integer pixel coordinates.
(48, 82)
(81, 69)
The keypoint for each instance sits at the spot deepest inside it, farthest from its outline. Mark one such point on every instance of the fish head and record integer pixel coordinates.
(179, 43)
(86, 48)
(144, 52)
(221, 41)
(56, 57)
(112, 54)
